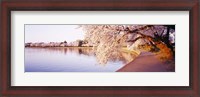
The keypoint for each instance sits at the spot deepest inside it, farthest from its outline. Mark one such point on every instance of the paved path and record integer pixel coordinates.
(145, 62)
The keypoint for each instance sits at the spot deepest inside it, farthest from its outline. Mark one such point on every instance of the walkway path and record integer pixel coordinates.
(145, 62)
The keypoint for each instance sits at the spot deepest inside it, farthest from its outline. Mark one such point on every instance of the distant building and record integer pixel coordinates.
(63, 44)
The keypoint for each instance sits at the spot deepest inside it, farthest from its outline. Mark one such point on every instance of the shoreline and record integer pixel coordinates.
(147, 62)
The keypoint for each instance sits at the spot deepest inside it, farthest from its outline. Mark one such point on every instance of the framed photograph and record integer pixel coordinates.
(140, 48)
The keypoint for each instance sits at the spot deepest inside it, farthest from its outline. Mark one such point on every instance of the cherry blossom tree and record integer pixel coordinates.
(108, 40)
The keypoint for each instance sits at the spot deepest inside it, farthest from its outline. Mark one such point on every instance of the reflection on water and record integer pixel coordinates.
(70, 60)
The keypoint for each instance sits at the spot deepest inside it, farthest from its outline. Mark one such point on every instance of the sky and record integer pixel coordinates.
(52, 33)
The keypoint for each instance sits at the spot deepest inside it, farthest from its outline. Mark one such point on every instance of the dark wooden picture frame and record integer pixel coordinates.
(193, 90)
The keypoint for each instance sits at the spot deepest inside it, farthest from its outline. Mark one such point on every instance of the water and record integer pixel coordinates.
(69, 60)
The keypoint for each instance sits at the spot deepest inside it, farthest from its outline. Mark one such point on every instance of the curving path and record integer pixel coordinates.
(146, 62)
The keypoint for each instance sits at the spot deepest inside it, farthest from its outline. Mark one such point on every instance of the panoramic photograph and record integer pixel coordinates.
(99, 48)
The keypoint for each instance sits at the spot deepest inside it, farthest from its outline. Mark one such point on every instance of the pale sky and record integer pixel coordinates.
(52, 33)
